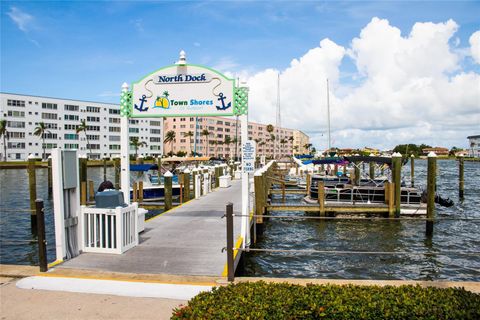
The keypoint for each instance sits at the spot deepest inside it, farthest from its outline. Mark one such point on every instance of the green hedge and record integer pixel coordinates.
(260, 300)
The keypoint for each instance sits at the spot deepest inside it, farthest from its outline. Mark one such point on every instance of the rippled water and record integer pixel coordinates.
(15, 224)
(379, 235)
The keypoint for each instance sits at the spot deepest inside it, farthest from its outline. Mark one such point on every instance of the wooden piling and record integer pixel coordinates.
(49, 177)
(168, 190)
(396, 177)
(83, 193)
(321, 198)
(194, 183)
(431, 181)
(140, 191)
(135, 192)
(356, 174)
(260, 198)
(32, 186)
(217, 177)
(461, 185)
(345, 170)
(412, 171)
(372, 170)
(82, 168)
(159, 165)
(104, 169)
(116, 168)
(309, 183)
(91, 191)
(42, 243)
(186, 183)
(390, 198)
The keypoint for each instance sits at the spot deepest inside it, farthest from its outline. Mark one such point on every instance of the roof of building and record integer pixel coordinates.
(474, 137)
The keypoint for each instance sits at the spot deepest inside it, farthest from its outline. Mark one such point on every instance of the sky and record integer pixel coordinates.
(398, 71)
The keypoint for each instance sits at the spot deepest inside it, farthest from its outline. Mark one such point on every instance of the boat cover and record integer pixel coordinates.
(384, 160)
(143, 167)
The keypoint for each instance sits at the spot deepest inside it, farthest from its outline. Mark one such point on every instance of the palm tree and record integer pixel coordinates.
(215, 144)
(83, 127)
(40, 131)
(282, 143)
(189, 134)
(270, 129)
(262, 144)
(5, 135)
(206, 134)
(170, 137)
(307, 146)
(227, 141)
(295, 148)
(136, 143)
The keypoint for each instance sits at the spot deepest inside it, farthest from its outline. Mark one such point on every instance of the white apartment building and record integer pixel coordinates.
(23, 113)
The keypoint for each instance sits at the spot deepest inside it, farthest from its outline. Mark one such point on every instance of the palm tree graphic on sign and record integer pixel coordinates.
(162, 102)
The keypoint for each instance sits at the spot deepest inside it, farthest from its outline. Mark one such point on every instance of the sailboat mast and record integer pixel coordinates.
(278, 118)
(328, 116)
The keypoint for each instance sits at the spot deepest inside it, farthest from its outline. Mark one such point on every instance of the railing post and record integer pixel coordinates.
(431, 172)
(259, 196)
(134, 192)
(83, 193)
(309, 181)
(42, 243)
(49, 177)
(230, 260)
(104, 169)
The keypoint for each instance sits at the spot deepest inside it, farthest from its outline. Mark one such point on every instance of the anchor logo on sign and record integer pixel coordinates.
(222, 99)
(142, 100)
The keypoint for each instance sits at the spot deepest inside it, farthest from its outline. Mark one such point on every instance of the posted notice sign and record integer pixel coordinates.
(248, 156)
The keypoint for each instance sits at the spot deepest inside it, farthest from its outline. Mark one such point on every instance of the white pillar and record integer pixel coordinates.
(125, 155)
(245, 229)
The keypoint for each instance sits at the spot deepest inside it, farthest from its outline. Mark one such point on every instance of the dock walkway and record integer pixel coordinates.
(186, 240)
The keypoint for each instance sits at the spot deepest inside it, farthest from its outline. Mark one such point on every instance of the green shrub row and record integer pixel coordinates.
(261, 300)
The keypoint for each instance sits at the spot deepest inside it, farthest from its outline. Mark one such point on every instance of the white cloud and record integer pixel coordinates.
(138, 25)
(22, 19)
(475, 46)
(412, 89)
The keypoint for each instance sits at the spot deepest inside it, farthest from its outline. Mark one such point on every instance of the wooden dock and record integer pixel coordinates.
(186, 240)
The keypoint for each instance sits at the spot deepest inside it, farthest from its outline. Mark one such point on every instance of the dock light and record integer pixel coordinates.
(372, 155)
(168, 174)
(186, 171)
(31, 156)
(397, 154)
(182, 59)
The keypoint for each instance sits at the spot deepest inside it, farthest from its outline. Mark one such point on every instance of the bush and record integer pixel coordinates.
(260, 300)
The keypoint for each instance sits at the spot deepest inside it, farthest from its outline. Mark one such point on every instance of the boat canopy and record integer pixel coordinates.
(383, 160)
(143, 167)
(339, 161)
(304, 156)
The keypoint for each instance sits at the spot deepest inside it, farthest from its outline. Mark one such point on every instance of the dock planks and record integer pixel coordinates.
(186, 240)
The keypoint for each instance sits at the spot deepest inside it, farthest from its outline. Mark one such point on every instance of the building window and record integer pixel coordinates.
(70, 107)
(93, 109)
(53, 126)
(155, 148)
(70, 146)
(50, 135)
(93, 146)
(70, 136)
(16, 145)
(15, 124)
(133, 121)
(16, 135)
(114, 129)
(93, 119)
(93, 137)
(133, 130)
(114, 111)
(156, 123)
(70, 126)
(50, 116)
(93, 128)
(16, 114)
(114, 138)
(71, 117)
(155, 139)
(114, 147)
(114, 120)
(49, 145)
(16, 103)
(49, 106)
(155, 131)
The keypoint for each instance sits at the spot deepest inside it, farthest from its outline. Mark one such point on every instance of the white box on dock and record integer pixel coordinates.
(238, 174)
(225, 181)
(141, 219)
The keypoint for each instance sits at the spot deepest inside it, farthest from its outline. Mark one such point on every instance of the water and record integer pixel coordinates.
(379, 235)
(15, 236)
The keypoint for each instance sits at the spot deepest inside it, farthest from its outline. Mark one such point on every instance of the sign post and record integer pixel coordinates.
(248, 166)
(183, 90)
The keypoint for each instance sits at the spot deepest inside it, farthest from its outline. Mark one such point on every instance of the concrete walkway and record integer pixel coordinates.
(186, 240)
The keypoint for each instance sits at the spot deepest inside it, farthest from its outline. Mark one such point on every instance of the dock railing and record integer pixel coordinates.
(109, 230)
